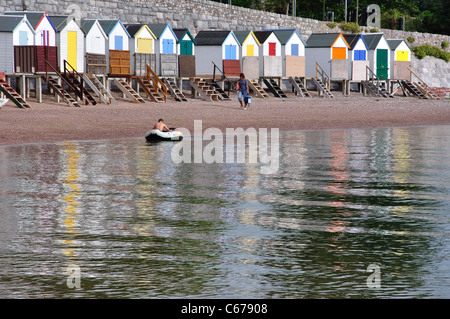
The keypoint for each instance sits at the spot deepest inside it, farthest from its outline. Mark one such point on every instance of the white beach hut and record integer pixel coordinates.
(270, 61)
(45, 32)
(249, 53)
(117, 47)
(379, 54)
(357, 56)
(70, 42)
(400, 59)
(165, 49)
(14, 31)
(330, 51)
(142, 47)
(220, 48)
(292, 52)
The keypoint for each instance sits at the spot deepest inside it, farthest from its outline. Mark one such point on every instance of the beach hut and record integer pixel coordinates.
(379, 57)
(70, 42)
(142, 48)
(357, 56)
(330, 51)
(186, 53)
(14, 31)
(165, 49)
(95, 46)
(292, 52)
(218, 47)
(400, 59)
(249, 53)
(117, 47)
(270, 61)
(45, 32)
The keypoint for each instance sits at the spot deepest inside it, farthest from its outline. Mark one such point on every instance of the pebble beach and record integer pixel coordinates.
(55, 122)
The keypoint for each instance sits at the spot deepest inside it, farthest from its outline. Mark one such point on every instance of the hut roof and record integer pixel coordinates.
(34, 17)
(323, 40)
(263, 35)
(394, 43)
(60, 22)
(284, 35)
(180, 33)
(214, 37)
(159, 28)
(9, 23)
(109, 25)
(372, 40)
(352, 40)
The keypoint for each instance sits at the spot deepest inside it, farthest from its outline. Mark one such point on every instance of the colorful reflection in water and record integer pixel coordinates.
(138, 225)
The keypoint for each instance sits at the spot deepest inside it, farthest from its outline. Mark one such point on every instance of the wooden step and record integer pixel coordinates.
(299, 86)
(128, 91)
(199, 85)
(259, 91)
(54, 85)
(15, 97)
(322, 88)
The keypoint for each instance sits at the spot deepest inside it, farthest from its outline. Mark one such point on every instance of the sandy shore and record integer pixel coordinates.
(53, 122)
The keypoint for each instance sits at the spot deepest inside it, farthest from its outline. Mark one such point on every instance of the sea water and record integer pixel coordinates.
(120, 219)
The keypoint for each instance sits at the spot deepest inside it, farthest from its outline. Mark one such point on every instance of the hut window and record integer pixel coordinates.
(118, 42)
(272, 49)
(360, 55)
(23, 38)
(167, 46)
(294, 49)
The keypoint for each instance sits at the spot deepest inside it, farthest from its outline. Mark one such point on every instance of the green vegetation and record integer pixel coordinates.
(444, 45)
(420, 15)
(411, 39)
(421, 51)
(332, 25)
(350, 27)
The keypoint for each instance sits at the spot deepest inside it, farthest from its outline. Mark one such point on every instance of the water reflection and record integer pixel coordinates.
(140, 225)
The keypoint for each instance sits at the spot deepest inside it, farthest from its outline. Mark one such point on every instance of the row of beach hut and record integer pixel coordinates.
(269, 53)
(37, 43)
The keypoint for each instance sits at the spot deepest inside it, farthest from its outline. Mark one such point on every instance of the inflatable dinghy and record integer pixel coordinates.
(157, 135)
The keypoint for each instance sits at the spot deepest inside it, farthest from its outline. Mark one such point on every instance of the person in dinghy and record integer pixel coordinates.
(161, 132)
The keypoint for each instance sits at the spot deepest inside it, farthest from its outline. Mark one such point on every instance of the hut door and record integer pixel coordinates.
(23, 38)
(272, 49)
(294, 49)
(402, 56)
(185, 47)
(167, 46)
(118, 42)
(72, 48)
(144, 45)
(339, 54)
(230, 52)
(250, 50)
(382, 64)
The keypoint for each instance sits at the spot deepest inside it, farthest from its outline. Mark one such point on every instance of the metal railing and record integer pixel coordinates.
(79, 91)
(224, 77)
(372, 77)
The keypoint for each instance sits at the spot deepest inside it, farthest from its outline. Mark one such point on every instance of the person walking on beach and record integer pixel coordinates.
(243, 90)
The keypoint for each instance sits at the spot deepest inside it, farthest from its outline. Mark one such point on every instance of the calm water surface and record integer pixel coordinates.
(136, 225)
